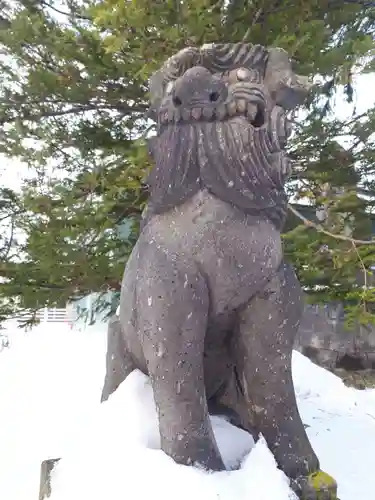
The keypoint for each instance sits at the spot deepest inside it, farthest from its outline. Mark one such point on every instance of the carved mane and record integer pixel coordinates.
(237, 161)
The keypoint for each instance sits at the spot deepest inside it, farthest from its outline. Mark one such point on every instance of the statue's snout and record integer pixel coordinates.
(198, 87)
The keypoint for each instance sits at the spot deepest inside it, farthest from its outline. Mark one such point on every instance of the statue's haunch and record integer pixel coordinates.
(209, 310)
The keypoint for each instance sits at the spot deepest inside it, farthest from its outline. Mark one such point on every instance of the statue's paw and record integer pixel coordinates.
(316, 486)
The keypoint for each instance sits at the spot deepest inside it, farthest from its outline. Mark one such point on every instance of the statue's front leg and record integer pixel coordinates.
(267, 328)
(172, 305)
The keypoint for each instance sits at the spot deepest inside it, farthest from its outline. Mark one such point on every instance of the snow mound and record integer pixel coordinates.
(120, 454)
(50, 383)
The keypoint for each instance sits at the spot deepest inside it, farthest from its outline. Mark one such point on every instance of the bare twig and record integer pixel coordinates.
(68, 14)
(365, 287)
(362, 266)
(320, 229)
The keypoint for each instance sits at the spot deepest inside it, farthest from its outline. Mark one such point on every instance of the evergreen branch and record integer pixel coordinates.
(320, 229)
(4, 23)
(44, 286)
(67, 14)
(277, 7)
(330, 4)
(356, 2)
(8, 246)
(71, 110)
(47, 114)
(12, 214)
(253, 23)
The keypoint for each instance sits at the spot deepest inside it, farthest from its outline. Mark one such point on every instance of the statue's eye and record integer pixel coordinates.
(243, 74)
(169, 88)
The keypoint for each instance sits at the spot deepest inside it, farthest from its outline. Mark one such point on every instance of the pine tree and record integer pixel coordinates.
(73, 96)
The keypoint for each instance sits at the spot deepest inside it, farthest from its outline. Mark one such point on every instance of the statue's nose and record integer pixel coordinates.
(198, 87)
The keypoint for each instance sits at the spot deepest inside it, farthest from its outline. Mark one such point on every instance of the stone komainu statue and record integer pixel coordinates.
(209, 309)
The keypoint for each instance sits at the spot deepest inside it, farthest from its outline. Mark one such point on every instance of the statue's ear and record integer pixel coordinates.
(152, 143)
(287, 88)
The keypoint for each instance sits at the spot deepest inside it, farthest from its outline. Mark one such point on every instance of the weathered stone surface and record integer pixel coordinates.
(209, 309)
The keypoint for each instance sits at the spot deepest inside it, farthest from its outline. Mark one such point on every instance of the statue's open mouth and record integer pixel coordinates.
(198, 95)
(254, 113)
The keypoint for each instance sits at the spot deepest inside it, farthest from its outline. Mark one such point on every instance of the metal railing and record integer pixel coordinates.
(53, 315)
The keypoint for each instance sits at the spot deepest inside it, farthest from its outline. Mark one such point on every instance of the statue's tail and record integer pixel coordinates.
(118, 361)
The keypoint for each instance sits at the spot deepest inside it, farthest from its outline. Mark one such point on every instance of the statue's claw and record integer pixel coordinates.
(316, 486)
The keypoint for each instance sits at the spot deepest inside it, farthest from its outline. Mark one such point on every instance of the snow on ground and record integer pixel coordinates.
(50, 383)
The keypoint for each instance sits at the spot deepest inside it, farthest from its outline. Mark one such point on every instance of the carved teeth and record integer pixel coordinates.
(232, 108)
(241, 105)
(221, 112)
(208, 112)
(252, 110)
(186, 114)
(196, 113)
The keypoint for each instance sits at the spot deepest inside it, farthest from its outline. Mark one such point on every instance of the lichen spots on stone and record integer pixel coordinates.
(324, 485)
